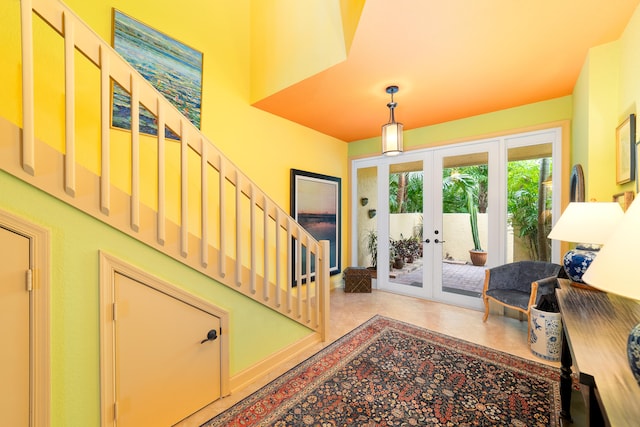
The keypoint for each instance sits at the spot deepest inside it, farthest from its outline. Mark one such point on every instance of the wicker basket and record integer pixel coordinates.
(357, 280)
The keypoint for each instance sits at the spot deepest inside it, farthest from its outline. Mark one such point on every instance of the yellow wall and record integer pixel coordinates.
(608, 90)
(596, 100)
(629, 83)
(264, 146)
(293, 40)
(580, 126)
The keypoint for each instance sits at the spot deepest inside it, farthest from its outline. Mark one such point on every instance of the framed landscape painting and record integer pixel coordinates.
(173, 68)
(316, 205)
(625, 150)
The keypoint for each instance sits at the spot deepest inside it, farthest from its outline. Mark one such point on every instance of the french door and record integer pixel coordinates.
(466, 178)
(439, 270)
(412, 222)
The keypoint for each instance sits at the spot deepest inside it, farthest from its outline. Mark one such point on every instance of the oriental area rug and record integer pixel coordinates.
(391, 373)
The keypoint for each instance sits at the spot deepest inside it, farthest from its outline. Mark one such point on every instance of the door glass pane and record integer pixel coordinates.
(465, 195)
(406, 184)
(529, 177)
(366, 216)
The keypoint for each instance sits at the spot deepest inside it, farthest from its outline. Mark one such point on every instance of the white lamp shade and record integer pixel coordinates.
(392, 139)
(615, 269)
(587, 222)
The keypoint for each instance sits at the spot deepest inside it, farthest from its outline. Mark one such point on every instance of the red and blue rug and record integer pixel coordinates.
(390, 373)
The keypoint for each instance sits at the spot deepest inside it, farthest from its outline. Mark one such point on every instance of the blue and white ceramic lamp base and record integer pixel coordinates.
(633, 351)
(576, 261)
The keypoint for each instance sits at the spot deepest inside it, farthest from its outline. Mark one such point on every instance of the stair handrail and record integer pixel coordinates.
(305, 304)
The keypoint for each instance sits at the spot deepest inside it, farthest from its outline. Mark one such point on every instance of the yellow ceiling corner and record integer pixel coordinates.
(351, 11)
(293, 40)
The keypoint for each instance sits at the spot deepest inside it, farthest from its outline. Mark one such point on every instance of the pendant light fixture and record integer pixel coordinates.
(392, 131)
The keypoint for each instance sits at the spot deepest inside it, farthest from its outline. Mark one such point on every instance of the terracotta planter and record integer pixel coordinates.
(478, 258)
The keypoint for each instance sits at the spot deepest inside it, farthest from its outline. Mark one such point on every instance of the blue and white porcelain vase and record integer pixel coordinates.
(577, 260)
(633, 351)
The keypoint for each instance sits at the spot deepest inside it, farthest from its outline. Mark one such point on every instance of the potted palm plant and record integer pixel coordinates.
(372, 247)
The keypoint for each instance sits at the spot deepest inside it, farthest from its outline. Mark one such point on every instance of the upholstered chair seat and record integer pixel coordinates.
(519, 285)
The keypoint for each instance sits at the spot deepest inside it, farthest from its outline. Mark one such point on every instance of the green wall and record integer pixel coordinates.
(76, 239)
(474, 127)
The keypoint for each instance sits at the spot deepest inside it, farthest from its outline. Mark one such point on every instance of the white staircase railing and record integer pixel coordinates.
(240, 237)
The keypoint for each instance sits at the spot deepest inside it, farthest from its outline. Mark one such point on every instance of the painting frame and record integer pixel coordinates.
(576, 184)
(625, 150)
(637, 159)
(624, 199)
(316, 204)
(171, 67)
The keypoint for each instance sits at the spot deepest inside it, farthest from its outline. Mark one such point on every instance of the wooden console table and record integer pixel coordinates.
(596, 326)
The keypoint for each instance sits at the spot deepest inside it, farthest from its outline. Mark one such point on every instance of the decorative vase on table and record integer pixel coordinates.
(633, 351)
(576, 261)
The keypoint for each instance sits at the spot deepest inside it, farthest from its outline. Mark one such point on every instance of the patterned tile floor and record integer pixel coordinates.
(466, 278)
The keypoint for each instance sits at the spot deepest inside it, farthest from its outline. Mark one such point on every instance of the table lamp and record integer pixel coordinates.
(615, 270)
(588, 224)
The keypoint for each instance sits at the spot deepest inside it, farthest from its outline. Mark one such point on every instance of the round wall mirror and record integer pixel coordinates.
(576, 184)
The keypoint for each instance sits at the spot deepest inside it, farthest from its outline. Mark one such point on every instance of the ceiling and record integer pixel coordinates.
(451, 59)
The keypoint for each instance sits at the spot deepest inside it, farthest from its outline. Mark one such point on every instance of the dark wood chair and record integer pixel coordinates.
(519, 285)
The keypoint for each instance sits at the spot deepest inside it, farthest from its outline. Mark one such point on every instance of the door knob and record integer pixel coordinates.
(427, 241)
(211, 336)
(438, 241)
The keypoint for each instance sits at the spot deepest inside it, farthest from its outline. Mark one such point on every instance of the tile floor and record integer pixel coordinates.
(350, 310)
(464, 278)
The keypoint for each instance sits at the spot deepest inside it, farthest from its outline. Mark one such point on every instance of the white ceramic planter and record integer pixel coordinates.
(546, 334)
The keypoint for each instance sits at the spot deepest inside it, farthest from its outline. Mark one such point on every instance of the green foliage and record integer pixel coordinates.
(455, 190)
(454, 197)
(523, 191)
(371, 239)
(406, 192)
(464, 190)
(372, 246)
(462, 193)
(406, 247)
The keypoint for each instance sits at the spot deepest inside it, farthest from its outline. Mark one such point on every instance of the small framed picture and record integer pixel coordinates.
(626, 150)
(637, 159)
(624, 199)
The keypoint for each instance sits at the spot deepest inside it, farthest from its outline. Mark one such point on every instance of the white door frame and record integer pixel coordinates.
(109, 266)
(39, 313)
(496, 232)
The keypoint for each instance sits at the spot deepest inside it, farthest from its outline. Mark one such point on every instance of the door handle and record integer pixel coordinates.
(211, 336)
(438, 241)
(427, 241)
